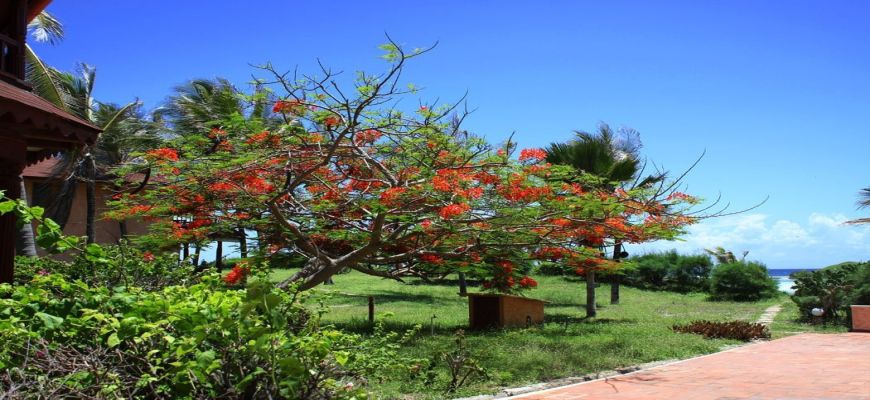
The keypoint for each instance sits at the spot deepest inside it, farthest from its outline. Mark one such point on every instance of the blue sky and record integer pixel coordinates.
(777, 93)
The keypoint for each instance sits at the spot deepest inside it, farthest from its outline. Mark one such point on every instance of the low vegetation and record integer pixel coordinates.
(737, 330)
(833, 289)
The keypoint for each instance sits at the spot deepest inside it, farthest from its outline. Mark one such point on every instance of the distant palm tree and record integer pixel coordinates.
(863, 202)
(612, 158)
(201, 105)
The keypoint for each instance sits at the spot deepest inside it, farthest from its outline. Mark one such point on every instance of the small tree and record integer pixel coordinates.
(349, 184)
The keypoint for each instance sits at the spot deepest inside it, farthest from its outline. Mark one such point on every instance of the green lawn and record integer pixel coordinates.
(634, 332)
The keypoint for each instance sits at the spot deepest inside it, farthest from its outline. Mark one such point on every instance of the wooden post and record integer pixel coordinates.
(371, 309)
(12, 153)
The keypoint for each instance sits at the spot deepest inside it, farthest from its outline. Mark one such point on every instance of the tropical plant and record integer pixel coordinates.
(833, 289)
(125, 129)
(609, 159)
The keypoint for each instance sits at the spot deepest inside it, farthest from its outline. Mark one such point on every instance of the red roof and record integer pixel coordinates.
(41, 169)
(46, 127)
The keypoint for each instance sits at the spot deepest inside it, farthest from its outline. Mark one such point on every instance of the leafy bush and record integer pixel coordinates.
(670, 271)
(832, 289)
(737, 330)
(110, 266)
(742, 281)
(62, 338)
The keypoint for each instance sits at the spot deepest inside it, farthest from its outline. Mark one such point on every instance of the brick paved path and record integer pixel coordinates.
(806, 366)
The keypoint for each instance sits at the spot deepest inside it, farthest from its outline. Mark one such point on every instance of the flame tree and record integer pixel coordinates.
(349, 179)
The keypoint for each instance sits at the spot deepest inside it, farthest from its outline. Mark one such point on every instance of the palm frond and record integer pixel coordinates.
(45, 28)
(43, 79)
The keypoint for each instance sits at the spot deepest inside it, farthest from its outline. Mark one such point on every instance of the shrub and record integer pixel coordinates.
(832, 289)
(116, 265)
(670, 271)
(741, 281)
(70, 339)
(736, 330)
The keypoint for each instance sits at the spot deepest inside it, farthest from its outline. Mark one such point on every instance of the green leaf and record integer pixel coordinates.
(50, 321)
(113, 340)
(6, 206)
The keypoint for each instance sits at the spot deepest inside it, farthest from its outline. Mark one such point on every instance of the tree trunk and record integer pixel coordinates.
(196, 249)
(219, 256)
(313, 273)
(591, 312)
(90, 192)
(463, 286)
(243, 243)
(122, 227)
(25, 244)
(614, 283)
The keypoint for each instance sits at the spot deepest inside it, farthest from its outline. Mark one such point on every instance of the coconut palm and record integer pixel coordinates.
(201, 105)
(125, 130)
(611, 158)
(863, 202)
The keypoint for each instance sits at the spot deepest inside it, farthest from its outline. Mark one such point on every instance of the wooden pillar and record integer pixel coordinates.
(12, 160)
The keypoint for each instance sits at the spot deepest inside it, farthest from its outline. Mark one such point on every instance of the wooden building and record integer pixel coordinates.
(31, 128)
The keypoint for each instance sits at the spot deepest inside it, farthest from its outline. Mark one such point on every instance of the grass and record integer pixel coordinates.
(634, 332)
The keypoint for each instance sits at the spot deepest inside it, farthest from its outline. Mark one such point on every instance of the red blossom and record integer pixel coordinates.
(453, 210)
(164, 153)
(147, 256)
(533, 154)
(528, 282)
(237, 274)
(432, 259)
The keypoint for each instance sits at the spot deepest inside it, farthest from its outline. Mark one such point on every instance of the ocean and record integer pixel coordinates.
(782, 279)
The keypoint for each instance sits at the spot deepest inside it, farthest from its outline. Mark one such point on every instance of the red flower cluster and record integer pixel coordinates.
(262, 137)
(389, 196)
(453, 210)
(552, 253)
(237, 274)
(147, 256)
(528, 282)
(533, 154)
(331, 121)
(367, 136)
(164, 153)
(292, 106)
(432, 259)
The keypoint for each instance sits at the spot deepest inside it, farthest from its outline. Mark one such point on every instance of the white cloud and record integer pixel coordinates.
(821, 240)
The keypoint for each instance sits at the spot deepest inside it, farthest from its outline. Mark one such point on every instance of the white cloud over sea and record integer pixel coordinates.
(820, 240)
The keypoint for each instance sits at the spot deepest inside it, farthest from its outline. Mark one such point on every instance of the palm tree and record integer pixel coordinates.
(612, 158)
(863, 202)
(201, 105)
(125, 130)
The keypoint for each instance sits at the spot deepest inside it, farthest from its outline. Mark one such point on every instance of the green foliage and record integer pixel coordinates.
(201, 341)
(670, 271)
(832, 289)
(110, 266)
(742, 281)
(737, 330)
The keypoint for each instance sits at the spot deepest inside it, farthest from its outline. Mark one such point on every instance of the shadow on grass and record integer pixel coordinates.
(391, 296)
(573, 319)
